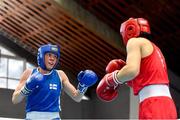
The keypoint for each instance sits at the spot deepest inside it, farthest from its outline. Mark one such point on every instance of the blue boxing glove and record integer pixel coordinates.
(86, 79)
(34, 81)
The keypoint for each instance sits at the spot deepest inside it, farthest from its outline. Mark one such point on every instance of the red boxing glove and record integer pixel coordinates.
(107, 87)
(115, 64)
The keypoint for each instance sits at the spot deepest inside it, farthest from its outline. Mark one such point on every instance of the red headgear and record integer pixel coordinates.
(133, 27)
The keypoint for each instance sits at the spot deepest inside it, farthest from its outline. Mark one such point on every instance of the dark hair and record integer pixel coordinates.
(146, 35)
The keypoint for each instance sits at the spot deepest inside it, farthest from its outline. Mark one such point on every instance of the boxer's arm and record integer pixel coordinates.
(17, 96)
(69, 88)
(132, 67)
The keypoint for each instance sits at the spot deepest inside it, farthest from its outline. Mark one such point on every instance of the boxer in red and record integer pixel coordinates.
(144, 71)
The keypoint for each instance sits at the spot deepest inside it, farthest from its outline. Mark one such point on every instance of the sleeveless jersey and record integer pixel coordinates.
(46, 98)
(153, 70)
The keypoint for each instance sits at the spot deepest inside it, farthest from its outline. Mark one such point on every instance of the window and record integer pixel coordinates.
(12, 83)
(15, 68)
(11, 68)
(3, 72)
(3, 67)
(3, 82)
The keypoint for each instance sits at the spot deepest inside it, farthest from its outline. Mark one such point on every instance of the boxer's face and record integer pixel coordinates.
(50, 60)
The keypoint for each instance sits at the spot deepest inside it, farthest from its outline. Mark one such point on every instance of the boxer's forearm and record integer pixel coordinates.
(17, 97)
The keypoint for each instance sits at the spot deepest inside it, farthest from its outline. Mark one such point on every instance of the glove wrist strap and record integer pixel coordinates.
(82, 88)
(115, 78)
(25, 91)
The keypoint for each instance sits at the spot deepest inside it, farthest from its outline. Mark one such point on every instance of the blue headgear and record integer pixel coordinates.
(47, 49)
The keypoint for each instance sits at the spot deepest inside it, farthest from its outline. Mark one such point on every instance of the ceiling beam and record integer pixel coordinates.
(89, 21)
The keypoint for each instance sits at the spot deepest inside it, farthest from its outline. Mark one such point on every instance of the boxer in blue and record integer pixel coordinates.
(42, 86)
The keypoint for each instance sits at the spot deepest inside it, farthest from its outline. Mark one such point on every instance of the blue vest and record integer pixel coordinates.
(46, 98)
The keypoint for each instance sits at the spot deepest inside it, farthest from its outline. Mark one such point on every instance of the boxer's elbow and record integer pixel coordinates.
(78, 100)
(77, 97)
(17, 98)
(14, 100)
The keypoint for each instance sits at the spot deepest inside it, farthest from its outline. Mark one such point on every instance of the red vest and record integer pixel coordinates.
(153, 70)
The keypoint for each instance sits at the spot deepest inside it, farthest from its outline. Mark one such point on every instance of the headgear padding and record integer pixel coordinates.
(133, 27)
(47, 49)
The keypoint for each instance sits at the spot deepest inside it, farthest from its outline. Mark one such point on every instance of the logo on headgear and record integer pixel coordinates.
(54, 49)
